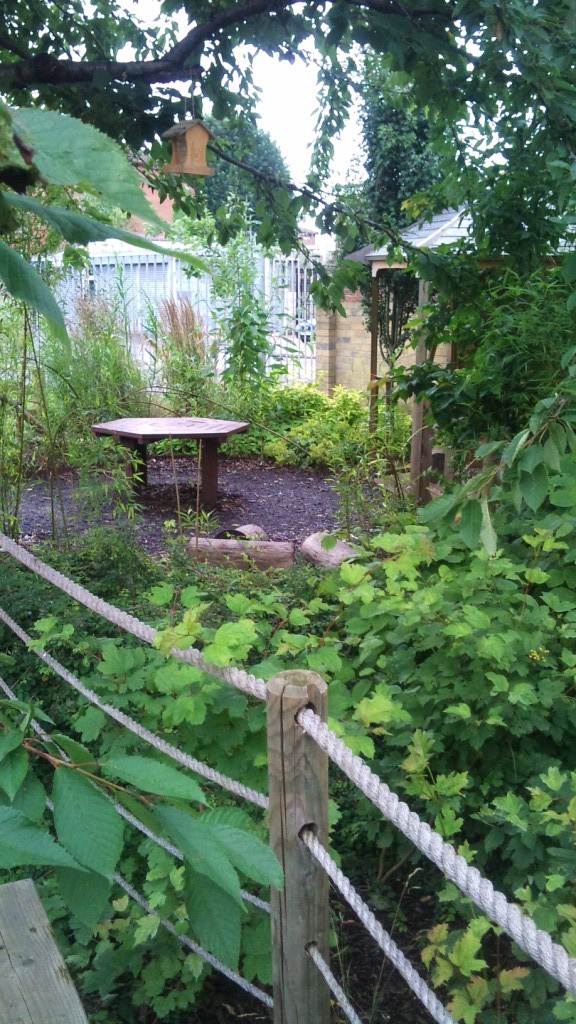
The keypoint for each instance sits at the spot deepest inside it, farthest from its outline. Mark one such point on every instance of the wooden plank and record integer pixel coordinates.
(35, 987)
(298, 790)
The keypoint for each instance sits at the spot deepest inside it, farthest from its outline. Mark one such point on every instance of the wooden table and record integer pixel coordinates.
(139, 432)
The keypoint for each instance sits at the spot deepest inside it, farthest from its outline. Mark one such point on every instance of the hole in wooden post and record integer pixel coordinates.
(311, 826)
(305, 707)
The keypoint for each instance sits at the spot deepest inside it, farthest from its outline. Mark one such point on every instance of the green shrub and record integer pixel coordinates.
(335, 434)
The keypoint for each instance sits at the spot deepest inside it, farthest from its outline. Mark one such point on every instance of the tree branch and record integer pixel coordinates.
(308, 193)
(47, 69)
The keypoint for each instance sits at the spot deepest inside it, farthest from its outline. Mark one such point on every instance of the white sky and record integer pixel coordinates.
(287, 111)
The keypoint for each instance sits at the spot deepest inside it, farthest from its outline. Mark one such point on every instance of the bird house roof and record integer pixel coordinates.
(182, 127)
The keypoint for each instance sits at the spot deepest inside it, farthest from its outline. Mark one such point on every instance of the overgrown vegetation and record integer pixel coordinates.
(448, 644)
(449, 651)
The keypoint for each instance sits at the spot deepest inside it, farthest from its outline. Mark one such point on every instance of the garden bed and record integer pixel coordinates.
(289, 503)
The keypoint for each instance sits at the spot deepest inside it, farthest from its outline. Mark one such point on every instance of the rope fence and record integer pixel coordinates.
(129, 723)
(521, 928)
(129, 623)
(300, 745)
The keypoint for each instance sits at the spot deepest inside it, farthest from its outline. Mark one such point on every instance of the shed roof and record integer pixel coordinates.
(444, 228)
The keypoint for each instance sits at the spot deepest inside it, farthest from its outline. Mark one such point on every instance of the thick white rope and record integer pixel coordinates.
(233, 676)
(189, 762)
(257, 993)
(336, 989)
(537, 943)
(378, 933)
(130, 818)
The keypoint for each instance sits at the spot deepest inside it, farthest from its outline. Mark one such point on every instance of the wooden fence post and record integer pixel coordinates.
(298, 790)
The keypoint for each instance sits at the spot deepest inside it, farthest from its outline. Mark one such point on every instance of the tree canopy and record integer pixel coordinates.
(400, 160)
(246, 145)
(498, 81)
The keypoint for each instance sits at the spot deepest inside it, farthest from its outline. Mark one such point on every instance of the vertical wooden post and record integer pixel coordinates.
(374, 339)
(209, 471)
(298, 789)
(421, 445)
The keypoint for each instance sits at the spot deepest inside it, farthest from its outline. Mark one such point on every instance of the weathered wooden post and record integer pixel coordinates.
(298, 789)
(35, 987)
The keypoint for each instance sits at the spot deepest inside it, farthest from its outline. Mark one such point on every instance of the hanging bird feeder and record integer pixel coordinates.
(189, 140)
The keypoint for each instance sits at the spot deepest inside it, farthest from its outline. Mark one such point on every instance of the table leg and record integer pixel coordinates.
(138, 461)
(209, 472)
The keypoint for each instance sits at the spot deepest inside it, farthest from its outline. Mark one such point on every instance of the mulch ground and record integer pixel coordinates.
(288, 503)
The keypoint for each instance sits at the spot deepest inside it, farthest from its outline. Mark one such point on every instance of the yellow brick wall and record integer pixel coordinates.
(343, 348)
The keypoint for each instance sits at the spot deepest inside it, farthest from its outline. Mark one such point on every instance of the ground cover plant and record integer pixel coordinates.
(449, 651)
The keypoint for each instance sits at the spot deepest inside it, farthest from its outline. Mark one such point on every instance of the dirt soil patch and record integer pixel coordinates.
(289, 503)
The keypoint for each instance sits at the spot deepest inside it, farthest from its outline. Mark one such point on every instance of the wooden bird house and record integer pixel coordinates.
(189, 140)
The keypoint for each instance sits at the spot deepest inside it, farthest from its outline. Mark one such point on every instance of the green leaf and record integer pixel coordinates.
(325, 659)
(90, 723)
(440, 508)
(459, 710)
(79, 230)
(173, 677)
(248, 853)
(215, 918)
(458, 629)
(531, 457)
(523, 694)
(232, 641)
(516, 444)
(85, 894)
(470, 523)
(463, 954)
(352, 574)
(488, 533)
(201, 847)
(257, 950)
(564, 497)
(23, 844)
(552, 455)
(25, 284)
(475, 616)
(13, 771)
(9, 741)
(160, 595)
(376, 710)
(536, 575)
(77, 752)
(534, 486)
(153, 777)
(67, 151)
(30, 798)
(86, 822)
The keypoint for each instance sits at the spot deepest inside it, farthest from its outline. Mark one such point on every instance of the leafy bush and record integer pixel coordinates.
(510, 335)
(335, 434)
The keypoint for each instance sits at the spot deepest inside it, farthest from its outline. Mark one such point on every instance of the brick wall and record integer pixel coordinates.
(343, 348)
